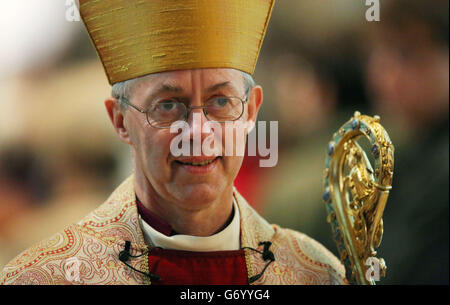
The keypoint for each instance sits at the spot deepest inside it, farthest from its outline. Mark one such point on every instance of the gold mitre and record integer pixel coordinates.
(139, 37)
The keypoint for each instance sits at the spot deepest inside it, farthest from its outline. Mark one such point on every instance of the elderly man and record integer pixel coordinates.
(178, 219)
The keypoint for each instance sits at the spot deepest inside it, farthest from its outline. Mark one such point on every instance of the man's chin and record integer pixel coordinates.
(199, 195)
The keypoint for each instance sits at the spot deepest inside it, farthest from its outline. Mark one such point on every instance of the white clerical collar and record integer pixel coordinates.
(227, 239)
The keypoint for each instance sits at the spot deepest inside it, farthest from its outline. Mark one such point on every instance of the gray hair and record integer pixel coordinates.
(123, 90)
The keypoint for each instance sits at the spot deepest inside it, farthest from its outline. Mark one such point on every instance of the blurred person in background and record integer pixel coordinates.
(314, 80)
(400, 65)
(23, 183)
(306, 107)
(408, 77)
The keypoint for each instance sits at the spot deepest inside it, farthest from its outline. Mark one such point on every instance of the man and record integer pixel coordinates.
(178, 219)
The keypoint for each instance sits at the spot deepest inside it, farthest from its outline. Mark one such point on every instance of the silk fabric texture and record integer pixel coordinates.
(139, 37)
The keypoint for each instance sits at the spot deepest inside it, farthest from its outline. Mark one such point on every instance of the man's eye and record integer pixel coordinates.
(221, 102)
(166, 106)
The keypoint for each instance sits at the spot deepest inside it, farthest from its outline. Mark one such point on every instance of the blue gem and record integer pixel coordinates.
(375, 151)
(330, 148)
(326, 196)
(355, 124)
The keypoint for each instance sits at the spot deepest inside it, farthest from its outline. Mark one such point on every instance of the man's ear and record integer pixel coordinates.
(254, 103)
(116, 115)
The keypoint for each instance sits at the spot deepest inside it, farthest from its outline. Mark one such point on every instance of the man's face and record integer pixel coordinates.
(171, 178)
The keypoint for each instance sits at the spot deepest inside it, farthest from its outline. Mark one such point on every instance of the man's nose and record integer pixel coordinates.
(196, 121)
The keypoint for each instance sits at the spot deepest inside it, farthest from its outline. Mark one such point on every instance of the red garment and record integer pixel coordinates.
(177, 267)
(154, 221)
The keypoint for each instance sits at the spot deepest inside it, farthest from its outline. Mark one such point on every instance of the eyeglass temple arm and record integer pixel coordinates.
(247, 94)
(125, 100)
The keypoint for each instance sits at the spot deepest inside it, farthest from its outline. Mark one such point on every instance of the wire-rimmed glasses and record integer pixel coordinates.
(220, 109)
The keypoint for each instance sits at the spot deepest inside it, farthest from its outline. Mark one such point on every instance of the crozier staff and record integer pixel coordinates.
(177, 219)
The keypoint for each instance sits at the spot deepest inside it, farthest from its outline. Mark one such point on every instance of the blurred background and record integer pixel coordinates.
(320, 62)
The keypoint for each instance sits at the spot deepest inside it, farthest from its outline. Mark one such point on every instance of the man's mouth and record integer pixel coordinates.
(197, 162)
